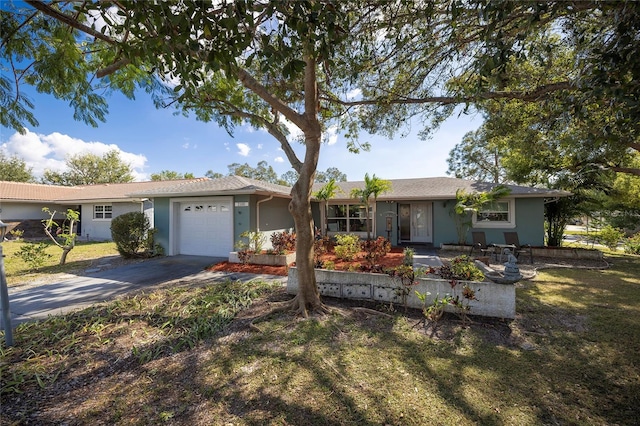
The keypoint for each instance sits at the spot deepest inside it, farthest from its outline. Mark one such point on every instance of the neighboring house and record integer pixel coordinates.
(97, 204)
(207, 217)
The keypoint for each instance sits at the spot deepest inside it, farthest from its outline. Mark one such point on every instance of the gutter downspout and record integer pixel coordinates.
(258, 211)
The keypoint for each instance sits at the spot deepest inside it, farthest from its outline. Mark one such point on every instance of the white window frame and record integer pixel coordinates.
(348, 219)
(511, 223)
(103, 213)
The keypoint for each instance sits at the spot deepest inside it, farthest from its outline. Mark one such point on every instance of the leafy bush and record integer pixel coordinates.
(610, 237)
(320, 247)
(33, 254)
(252, 241)
(347, 246)
(407, 256)
(461, 268)
(283, 242)
(632, 244)
(132, 234)
(17, 234)
(375, 249)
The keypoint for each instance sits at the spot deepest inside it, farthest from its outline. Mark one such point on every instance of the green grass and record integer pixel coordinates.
(175, 357)
(83, 255)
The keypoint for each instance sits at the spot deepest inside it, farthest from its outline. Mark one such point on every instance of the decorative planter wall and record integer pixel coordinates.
(494, 300)
(567, 252)
(265, 259)
(558, 252)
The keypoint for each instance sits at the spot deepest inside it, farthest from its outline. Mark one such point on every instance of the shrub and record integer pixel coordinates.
(632, 244)
(461, 268)
(252, 241)
(407, 256)
(132, 234)
(320, 247)
(33, 254)
(283, 242)
(17, 234)
(347, 246)
(375, 249)
(610, 237)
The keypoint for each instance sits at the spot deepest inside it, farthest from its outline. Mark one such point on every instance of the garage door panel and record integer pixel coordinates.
(206, 227)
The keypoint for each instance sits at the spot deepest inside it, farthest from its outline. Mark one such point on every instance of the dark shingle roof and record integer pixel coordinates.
(223, 186)
(438, 188)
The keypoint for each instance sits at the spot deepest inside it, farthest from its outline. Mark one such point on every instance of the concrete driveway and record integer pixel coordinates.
(80, 291)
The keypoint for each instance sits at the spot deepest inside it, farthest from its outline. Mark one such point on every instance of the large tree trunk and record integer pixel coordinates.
(308, 297)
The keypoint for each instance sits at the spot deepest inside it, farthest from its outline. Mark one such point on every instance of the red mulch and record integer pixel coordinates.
(391, 260)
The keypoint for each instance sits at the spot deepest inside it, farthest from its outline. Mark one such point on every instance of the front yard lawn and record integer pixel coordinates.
(191, 356)
(83, 256)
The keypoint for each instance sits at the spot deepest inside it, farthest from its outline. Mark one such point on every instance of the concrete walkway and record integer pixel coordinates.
(425, 257)
(80, 291)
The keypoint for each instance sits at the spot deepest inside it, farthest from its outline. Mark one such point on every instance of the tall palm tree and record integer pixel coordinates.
(372, 186)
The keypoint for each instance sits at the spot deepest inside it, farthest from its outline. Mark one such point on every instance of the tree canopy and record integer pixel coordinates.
(14, 169)
(359, 64)
(170, 175)
(91, 169)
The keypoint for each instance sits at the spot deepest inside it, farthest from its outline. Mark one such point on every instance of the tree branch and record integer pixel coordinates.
(527, 96)
(48, 10)
(110, 69)
(252, 84)
(628, 170)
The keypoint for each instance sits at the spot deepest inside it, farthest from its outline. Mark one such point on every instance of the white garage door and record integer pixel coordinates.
(206, 227)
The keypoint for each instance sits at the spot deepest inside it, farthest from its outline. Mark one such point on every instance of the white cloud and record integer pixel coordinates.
(226, 147)
(42, 152)
(355, 93)
(294, 131)
(185, 145)
(243, 149)
(278, 160)
(331, 135)
(259, 146)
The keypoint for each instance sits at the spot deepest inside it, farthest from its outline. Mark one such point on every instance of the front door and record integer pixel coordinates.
(415, 223)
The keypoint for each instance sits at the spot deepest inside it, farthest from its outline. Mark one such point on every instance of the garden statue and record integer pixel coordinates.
(511, 270)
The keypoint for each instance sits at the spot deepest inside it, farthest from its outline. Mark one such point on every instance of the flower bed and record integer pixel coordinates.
(265, 259)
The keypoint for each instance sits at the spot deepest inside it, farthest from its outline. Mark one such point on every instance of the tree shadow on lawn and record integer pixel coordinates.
(347, 367)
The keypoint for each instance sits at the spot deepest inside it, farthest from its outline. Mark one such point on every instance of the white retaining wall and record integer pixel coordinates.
(494, 300)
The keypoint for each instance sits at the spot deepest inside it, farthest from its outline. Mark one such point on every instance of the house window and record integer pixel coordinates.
(497, 214)
(103, 211)
(351, 218)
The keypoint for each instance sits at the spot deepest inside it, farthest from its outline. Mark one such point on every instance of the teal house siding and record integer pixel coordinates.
(274, 214)
(386, 210)
(161, 222)
(529, 224)
(444, 225)
(530, 221)
(243, 215)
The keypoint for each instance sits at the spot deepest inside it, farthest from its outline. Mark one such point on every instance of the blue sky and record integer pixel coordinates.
(152, 140)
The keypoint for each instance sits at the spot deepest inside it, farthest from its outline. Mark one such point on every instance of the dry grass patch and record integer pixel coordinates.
(190, 357)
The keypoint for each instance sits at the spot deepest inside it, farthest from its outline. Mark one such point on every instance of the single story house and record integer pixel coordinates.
(97, 204)
(207, 217)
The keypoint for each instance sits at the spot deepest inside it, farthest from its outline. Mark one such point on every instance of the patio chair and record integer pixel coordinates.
(512, 239)
(480, 244)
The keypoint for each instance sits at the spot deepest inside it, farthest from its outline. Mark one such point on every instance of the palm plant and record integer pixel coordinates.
(328, 191)
(372, 186)
(468, 203)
